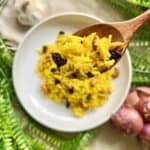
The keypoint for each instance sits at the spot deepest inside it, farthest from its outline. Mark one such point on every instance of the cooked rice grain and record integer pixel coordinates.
(76, 75)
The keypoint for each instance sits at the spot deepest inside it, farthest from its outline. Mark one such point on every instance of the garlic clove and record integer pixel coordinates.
(29, 12)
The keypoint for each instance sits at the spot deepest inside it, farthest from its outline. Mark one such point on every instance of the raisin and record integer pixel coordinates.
(94, 46)
(89, 74)
(98, 53)
(57, 81)
(67, 104)
(71, 90)
(75, 74)
(88, 97)
(94, 42)
(44, 49)
(115, 55)
(53, 70)
(59, 61)
(103, 70)
(61, 32)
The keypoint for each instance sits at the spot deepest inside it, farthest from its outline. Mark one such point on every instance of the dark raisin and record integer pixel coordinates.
(44, 49)
(88, 97)
(89, 74)
(71, 90)
(75, 74)
(53, 70)
(94, 43)
(98, 53)
(61, 32)
(59, 61)
(67, 104)
(57, 81)
(95, 65)
(115, 55)
(103, 70)
(94, 46)
(81, 42)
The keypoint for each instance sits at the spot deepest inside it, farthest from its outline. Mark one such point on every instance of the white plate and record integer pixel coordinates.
(26, 81)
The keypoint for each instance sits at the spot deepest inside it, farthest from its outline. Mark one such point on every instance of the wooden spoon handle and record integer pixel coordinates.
(128, 28)
(139, 20)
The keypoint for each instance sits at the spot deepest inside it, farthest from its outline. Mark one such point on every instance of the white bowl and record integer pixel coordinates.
(27, 82)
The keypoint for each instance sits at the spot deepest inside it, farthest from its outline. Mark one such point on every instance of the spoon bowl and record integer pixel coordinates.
(120, 31)
(102, 30)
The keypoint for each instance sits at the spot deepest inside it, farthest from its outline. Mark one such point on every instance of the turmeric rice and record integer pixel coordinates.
(73, 71)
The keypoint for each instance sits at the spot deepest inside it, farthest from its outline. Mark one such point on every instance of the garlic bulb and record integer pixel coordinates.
(29, 12)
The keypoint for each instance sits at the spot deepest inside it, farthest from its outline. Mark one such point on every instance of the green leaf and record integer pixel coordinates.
(3, 3)
(140, 66)
(143, 3)
(48, 138)
(129, 11)
(6, 54)
(125, 8)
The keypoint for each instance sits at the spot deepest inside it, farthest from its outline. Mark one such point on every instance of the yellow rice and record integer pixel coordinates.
(80, 82)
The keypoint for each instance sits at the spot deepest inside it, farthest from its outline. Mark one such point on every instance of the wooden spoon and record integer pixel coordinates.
(120, 31)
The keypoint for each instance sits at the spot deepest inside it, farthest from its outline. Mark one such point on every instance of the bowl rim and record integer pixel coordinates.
(17, 55)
